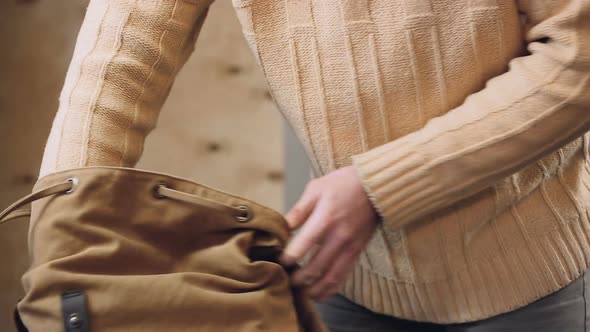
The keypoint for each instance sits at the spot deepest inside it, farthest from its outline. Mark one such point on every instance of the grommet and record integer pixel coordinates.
(74, 182)
(74, 321)
(156, 190)
(247, 214)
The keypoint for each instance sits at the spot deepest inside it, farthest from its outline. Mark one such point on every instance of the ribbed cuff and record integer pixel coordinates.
(395, 176)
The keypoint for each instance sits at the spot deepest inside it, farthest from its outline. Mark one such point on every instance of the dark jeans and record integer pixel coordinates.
(562, 311)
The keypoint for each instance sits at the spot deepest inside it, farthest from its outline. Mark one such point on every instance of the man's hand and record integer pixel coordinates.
(337, 220)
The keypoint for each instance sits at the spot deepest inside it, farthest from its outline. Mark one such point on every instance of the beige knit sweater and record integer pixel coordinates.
(464, 118)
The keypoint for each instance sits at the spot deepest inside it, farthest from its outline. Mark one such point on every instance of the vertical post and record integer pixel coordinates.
(297, 168)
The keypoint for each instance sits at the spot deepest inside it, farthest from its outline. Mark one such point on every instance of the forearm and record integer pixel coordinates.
(540, 104)
(126, 57)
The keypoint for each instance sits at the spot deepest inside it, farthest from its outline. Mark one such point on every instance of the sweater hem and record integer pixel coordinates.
(481, 290)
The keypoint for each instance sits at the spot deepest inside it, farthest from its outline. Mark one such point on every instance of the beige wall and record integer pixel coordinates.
(218, 127)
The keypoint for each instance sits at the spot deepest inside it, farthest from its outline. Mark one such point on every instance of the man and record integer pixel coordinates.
(448, 139)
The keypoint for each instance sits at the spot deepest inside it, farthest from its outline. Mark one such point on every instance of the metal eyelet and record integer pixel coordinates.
(74, 182)
(156, 190)
(247, 214)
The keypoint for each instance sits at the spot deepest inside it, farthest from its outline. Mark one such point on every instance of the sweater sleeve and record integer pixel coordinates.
(125, 60)
(540, 104)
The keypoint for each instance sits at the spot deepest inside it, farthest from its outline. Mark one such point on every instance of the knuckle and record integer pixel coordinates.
(297, 211)
(328, 220)
(345, 235)
(331, 282)
(313, 273)
(307, 242)
(293, 255)
(296, 251)
(314, 239)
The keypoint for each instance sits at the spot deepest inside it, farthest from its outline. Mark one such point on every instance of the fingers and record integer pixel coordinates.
(303, 208)
(321, 261)
(328, 284)
(310, 235)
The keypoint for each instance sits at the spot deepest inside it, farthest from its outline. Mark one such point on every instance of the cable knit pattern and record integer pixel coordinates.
(466, 121)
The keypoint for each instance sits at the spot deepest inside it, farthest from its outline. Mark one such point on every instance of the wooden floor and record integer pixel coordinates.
(219, 126)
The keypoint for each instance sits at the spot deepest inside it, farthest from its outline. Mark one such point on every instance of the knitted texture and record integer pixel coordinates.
(466, 121)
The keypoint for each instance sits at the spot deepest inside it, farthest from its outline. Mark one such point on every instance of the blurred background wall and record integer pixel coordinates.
(218, 127)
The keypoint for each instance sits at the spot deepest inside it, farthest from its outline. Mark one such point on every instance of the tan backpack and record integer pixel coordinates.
(118, 249)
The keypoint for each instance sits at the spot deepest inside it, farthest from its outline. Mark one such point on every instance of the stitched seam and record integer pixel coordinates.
(75, 86)
(98, 88)
(137, 106)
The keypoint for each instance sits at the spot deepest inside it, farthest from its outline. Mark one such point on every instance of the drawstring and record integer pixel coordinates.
(12, 211)
(240, 212)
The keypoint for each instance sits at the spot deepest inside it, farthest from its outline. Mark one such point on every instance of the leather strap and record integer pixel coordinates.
(12, 211)
(74, 313)
(17, 214)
